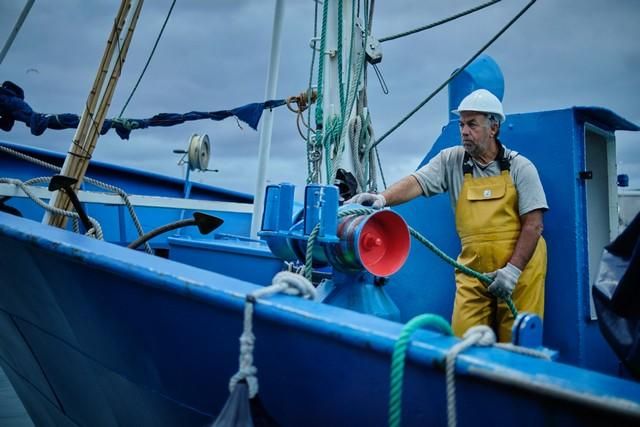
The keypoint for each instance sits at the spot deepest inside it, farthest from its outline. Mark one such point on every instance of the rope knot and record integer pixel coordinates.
(285, 282)
(295, 284)
(302, 100)
(482, 334)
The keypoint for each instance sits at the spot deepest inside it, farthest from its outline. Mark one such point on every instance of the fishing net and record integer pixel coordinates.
(241, 411)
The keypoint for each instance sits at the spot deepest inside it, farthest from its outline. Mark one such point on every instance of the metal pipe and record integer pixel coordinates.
(267, 120)
(16, 28)
(205, 223)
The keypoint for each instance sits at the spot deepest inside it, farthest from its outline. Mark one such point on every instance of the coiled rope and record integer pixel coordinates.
(95, 230)
(284, 282)
(123, 195)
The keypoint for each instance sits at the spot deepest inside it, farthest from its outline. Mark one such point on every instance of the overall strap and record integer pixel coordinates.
(503, 161)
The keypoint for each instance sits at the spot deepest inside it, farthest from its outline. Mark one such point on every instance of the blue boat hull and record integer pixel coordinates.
(95, 334)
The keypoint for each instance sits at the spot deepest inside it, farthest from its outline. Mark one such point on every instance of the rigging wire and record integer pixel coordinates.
(135, 87)
(442, 21)
(455, 73)
(384, 182)
(16, 28)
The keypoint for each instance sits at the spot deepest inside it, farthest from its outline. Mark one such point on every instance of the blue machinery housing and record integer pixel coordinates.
(92, 333)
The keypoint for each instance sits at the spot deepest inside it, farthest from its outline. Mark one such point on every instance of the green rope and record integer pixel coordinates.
(351, 98)
(311, 240)
(310, 145)
(466, 270)
(323, 46)
(366, 211)
(339, 53)
(351, 44)
(308, 260)
(397, 361)
(320, 100)
(331, 143)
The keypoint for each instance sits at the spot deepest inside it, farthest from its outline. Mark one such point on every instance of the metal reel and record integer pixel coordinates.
(199, 152)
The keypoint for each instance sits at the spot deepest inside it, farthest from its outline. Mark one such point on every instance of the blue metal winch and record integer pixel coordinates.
(354, 248)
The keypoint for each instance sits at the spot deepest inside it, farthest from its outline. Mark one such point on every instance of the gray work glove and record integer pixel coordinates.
(376, 201)
(504, 280)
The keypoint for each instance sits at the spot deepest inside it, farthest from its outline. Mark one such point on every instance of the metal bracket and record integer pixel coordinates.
(584, 175)
(527, 332)
(373, 51)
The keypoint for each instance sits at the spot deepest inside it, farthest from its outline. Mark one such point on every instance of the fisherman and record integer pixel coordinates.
(498, 201)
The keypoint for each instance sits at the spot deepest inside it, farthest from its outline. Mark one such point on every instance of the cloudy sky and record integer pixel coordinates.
(214, 56)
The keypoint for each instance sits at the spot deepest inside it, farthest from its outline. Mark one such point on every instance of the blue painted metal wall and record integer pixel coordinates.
(251, 261)
(554, 142)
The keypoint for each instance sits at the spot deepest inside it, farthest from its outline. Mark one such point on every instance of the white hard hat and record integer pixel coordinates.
(483, 101)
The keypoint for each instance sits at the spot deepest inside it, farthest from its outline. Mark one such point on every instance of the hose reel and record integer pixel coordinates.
(197, 154)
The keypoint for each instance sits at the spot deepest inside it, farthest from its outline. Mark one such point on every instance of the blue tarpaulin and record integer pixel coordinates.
(13, 108)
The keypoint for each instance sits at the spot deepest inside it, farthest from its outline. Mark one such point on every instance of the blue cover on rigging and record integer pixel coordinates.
(13, 108)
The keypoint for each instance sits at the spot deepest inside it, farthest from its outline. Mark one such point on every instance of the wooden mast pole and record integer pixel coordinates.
(97, 105)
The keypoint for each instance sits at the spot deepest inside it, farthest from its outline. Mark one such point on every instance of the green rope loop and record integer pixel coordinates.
(399, 354)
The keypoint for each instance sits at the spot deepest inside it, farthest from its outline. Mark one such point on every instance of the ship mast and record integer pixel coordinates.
(267, 121)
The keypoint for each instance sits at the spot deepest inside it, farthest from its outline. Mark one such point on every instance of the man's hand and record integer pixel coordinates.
(504, 280)
(376, 201)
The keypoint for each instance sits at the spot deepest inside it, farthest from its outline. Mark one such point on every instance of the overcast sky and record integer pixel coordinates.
(214, 56)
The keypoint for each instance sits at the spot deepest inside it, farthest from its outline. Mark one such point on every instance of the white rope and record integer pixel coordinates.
(370, 152)
(355, 127)
(125, 198)
(352, 96)
(108, 187)
(284, 282)
(481, 335)
(95, 230)
(524, 350)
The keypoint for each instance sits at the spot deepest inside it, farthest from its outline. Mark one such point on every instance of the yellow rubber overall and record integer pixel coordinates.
(488, 225)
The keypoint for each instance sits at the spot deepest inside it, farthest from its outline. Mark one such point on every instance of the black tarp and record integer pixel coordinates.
(616, 295)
